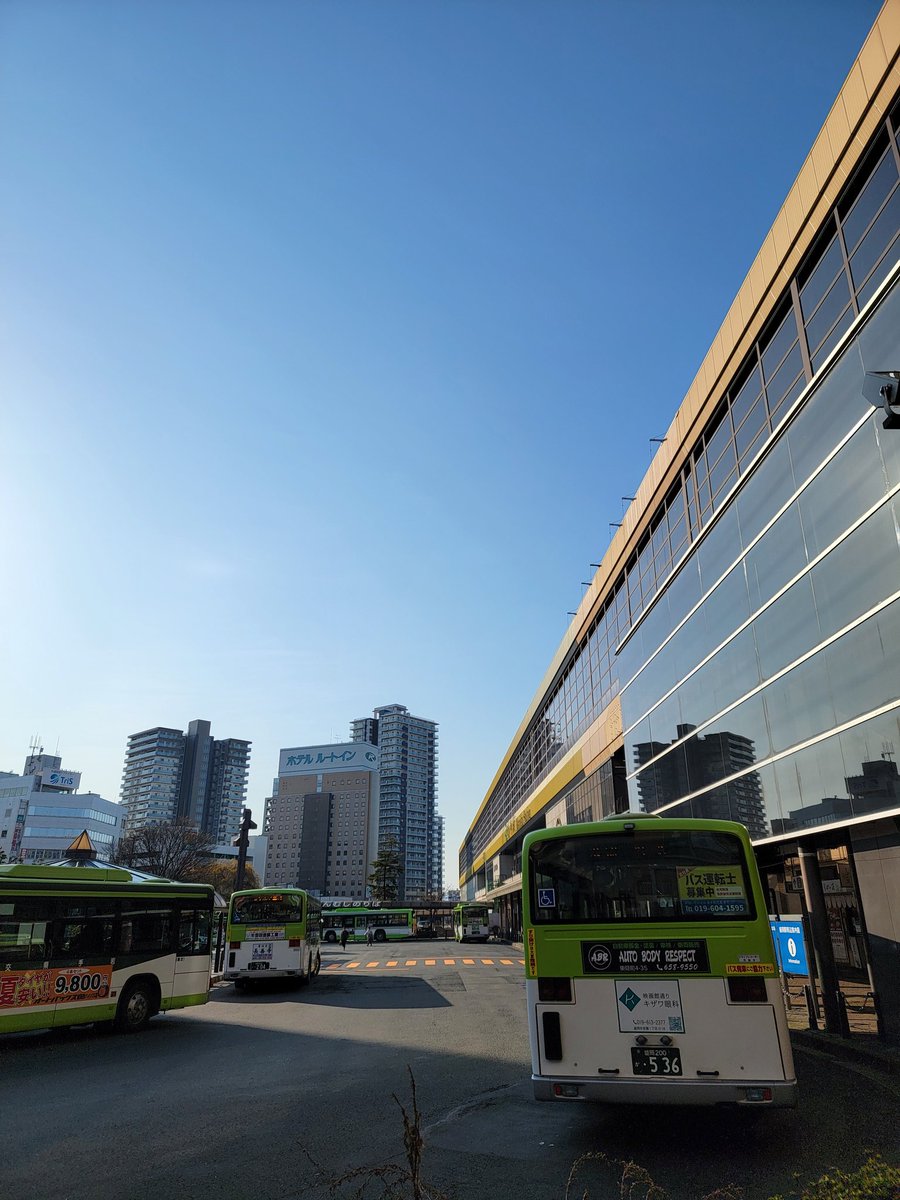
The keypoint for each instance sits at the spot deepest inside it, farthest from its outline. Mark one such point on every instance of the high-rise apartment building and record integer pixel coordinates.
(321, 820)
(407, 809)
(174, 776)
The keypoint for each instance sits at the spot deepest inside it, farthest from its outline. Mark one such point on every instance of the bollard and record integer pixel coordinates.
(811, 1007)
(843, 1019)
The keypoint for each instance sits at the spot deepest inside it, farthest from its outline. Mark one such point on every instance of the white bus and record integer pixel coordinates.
(272, 933)
(471, 922)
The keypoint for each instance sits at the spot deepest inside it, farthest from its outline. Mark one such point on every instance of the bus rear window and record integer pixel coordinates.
(266, 910)
(659, 876)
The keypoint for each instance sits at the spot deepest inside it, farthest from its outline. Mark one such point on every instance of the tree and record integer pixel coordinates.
(220, 874)
(384, 878)
(173, 850)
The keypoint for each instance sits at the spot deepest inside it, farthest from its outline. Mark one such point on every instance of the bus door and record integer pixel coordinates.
(192, 950)
(81, 956)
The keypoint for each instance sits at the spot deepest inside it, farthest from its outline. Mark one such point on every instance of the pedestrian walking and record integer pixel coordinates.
(370, 936)
(345, 933)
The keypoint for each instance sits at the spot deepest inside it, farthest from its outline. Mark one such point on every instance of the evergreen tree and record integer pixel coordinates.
(384, 878)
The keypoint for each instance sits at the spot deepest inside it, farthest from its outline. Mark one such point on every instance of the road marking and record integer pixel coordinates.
(449, 962)
(507, 962)
(334, 966)
(377, 964)
(521, 962)
(488, 962)
(429, 962)
(411, 962)
(392, 963)
(469, 962)
(349, 965)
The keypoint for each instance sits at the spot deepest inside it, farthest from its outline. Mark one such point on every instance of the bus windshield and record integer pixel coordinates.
(655, 876)
(266, 910)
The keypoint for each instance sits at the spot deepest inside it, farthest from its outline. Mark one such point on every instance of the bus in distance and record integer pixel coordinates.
(387, 924)
(471, 922)
(272, 933)
(650, 971)
(97, 943)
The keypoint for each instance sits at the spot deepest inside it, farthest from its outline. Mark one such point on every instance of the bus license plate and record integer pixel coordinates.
(656, 1060)
(258, 966)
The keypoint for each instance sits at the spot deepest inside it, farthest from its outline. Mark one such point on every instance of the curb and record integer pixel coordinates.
(880, 1058)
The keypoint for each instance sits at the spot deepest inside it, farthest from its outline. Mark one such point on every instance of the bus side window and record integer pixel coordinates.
(86, 931)
(193, 931)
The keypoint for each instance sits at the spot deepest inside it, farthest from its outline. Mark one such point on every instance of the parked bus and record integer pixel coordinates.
(471, 922)
(82, 944)
(388, 924)
(650, 971)
(272, 933)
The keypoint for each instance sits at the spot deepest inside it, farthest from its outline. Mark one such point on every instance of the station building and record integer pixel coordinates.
(737, 654)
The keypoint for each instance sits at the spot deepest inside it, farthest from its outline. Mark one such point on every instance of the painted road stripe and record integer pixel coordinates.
(469, 962)
(378, 964)
(430, 962)
(335, 966)
(489, 962)
(521, 962)
(392, 963)
(349, 965)
(449, 962)
(507, 962)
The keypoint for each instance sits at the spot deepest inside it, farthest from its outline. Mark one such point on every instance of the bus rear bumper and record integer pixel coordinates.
(764, 1093)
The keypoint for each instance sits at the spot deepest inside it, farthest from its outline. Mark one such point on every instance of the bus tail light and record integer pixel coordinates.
(759, 1095)
(565, 1089)
(295, 943)
(747, 989)
(555, 991)
(552, 1037)
(234, 945)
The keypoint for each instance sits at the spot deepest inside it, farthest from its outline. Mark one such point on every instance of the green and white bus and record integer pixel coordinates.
(471, 922)
(387, 924)
(272, 933)
(650, 971)
(89, 943)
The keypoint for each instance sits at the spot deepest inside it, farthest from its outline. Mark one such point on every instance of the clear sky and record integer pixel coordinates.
(332, 333)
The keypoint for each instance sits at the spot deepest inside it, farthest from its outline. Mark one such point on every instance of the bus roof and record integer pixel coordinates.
(87, 875)
(625, 822)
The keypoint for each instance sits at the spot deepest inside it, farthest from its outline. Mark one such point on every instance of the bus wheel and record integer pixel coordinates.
(318, 964)
(330, 935)
(240, 985)
(380, 935)
(136, 1007)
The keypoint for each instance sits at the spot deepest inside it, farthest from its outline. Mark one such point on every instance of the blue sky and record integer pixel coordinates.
(325, 330)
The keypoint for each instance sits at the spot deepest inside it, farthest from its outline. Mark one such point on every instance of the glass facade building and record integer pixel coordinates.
(738, 653)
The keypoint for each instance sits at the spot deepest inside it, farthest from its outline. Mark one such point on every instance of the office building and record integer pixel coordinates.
(174, 776)
(738, 650)
(321, 821)
(408, 806)
(42, 812)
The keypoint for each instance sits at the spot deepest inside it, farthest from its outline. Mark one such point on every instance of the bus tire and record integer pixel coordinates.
(240, 985)
(137, 1004)
(380, 935)
(318, 964)
(330, 935)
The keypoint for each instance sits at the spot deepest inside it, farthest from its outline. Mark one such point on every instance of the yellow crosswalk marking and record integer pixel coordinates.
(429, 962)
(411, 962)
(373, 964)
(449, 962)
(488, 962)
(521, 962)
(349, 965)
(392, 963)
(507, 962)
(469, 962)
(334, 966)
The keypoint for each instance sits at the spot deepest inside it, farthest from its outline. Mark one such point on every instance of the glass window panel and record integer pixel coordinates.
(819, 325)
(693, 702)
(878, 339)
(664, 721)
(876, 241)
(726, 608)
(828, 413)
(720, 548)
(823, 276)
(851, 483)
(868, 290)
(718, 441)
(764, 492)
(799, 704)
(746, 397)
(723, 472)
(780, 411)
(833, 338)
(743, 735)
(776, 558)
(678, 536)
(782, 340)
(784, 377)
(787, 629)
(805, 780)
(870, 753)
(733, 671)
(753, 423)
(864, 665)
(870, 199)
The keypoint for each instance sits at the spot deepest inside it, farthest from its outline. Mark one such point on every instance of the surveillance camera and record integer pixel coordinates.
(881, 388)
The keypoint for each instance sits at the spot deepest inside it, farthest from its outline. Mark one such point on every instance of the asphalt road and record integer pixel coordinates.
(268, 1095)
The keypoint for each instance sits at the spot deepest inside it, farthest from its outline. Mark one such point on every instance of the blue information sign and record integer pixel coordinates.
(790, 947)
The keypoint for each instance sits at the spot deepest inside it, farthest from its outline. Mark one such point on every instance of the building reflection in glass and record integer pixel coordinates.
(876, 789)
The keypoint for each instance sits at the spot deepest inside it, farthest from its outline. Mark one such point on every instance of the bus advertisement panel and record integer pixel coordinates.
(650, 971)
(272, 933)
(99, 944)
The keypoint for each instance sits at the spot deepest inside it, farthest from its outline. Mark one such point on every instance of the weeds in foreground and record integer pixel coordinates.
(618, 1180)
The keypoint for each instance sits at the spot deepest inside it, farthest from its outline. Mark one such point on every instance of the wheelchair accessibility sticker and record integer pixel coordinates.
(546, 897)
